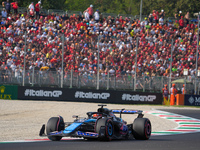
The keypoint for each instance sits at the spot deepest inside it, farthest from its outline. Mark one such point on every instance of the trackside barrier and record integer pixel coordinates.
(87, 95)
(180, 99)
(8, 92)
(192, 100)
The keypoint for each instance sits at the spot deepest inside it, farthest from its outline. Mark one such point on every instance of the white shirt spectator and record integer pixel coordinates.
(112, 71)
(96, 16)
(31, 6)
(18, 22)
(9, 62)
(31, 67)
(13, 66)
(87, 16)
(161, 21)
(16, 48)
(57, 17)
(18, 72)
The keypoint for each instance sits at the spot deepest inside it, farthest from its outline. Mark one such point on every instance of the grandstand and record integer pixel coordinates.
(117, 51)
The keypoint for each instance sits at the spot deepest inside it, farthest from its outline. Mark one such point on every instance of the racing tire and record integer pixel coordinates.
(105, 129)
(141, 129)
(55, 124)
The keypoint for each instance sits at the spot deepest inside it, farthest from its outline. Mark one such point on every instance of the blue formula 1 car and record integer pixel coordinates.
(102, 125)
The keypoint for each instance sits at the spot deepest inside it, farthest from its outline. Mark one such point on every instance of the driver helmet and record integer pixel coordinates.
(95, 115)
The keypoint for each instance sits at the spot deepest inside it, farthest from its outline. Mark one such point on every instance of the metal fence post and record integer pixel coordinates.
(39, 79)
(170, 76)
(62, 61)
(98, 67)
(108, 81)
(33, 75)
(162, 83)
(24, 61)
(135, 77)
(71, 78)
(140, 10)
(144, 83)
(78, 81)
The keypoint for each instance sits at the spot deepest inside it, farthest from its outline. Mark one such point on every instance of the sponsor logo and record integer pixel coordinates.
(194, 101)
(55, 133)
(2, 95)
(90, 95)
(191, 100)
(137, 97)
(91, 134)
(197, 100)
(42, 93)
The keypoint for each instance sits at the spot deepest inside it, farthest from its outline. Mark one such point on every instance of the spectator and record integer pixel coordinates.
(90, 11)
(150, 18)
(96, 15)
(161, 21)
(162, 14)
(155, 15)
(37, 9)
(4, 13)
(179, 15)
(187, 18)
(31, 7)
(31, 13)
(15, 6)
(181, 23)
(7, 6)
(87, 16)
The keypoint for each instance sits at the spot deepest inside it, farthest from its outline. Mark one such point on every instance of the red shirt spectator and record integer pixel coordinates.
(90, 10)
(181, 22)
(37, 7)
(14, 5)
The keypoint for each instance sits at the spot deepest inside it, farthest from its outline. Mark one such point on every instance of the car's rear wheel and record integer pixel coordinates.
(104, 128)
(55, 124)
(141, 128)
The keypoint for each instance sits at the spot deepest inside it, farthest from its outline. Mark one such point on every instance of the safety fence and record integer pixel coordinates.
(88, 80)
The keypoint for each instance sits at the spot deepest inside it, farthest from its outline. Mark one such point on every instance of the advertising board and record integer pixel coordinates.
(8, 92)
(88, 95)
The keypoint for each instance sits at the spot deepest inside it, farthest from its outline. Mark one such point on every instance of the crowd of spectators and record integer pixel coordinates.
(117, 43)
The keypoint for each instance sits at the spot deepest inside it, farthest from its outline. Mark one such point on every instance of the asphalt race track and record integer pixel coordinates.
(188, 141)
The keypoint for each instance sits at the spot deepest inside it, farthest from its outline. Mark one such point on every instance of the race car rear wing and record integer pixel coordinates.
(124, 111)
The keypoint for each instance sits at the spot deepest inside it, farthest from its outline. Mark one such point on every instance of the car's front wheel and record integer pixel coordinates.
(55, 124)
